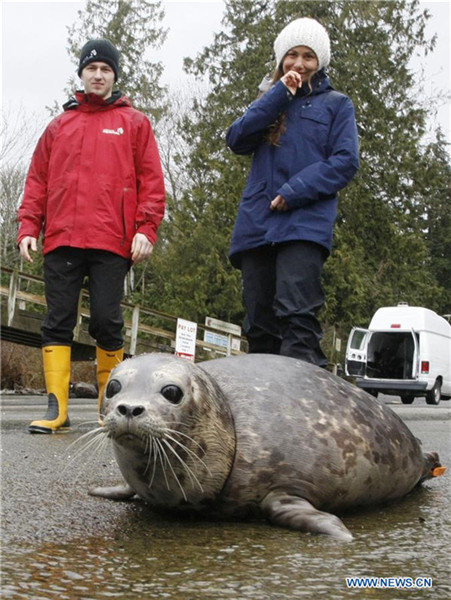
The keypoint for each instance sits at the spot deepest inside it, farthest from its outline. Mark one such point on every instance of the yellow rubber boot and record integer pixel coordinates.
(106, 361)
(56, 361)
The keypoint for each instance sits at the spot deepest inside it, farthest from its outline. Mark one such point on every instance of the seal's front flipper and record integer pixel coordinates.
(118, 492)
(297, 513)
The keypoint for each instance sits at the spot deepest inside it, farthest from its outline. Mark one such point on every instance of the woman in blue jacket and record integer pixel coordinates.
(303, 138)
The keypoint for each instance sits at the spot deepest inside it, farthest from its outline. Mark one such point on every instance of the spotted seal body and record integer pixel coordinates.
(256, 434)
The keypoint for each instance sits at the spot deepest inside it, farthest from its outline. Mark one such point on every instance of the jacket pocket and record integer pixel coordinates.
(124, 219)
(314, 126)
(255, 191)
(128, 214)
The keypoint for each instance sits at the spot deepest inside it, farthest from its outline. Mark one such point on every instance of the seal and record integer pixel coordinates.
(256, 435)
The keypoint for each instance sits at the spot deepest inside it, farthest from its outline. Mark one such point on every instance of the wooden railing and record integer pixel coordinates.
(146, 330)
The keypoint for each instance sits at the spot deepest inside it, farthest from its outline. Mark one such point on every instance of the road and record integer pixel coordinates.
(39, 471)
(57, 541)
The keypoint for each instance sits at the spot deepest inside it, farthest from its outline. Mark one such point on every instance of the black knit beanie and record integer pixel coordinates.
(99, 51)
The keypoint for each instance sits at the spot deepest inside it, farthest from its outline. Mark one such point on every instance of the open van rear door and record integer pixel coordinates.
(356, 352)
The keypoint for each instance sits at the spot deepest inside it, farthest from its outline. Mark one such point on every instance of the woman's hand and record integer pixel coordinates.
(292, 80)
(279, 204)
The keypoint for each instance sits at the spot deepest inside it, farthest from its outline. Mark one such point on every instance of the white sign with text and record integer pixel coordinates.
(185, 339)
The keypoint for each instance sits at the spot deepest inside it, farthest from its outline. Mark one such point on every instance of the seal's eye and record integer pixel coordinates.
(172, 393)
(113, 388)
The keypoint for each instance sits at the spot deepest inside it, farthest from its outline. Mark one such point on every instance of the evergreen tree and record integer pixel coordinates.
(435, 190)
(384, 252)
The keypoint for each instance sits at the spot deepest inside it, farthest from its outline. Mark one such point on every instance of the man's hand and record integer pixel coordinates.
(141, 248)
(26, 244)
(278, 204)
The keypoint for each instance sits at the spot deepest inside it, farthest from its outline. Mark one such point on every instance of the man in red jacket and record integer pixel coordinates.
(95, 189)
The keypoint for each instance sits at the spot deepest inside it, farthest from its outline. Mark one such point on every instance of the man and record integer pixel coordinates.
(95, 189)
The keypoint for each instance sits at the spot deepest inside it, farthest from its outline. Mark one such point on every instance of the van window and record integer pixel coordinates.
(358, 339)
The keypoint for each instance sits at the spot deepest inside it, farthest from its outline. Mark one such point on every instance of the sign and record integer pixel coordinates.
(223, 326)
(216, 338)
(222, 340)
(185, 339)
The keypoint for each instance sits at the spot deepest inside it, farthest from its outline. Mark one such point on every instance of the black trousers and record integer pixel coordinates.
(282, 295)
(64, 272)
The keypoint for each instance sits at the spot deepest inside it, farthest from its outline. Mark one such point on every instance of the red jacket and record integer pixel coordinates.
(95, 179)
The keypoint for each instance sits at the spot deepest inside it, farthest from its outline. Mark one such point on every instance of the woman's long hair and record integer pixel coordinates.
(278, 128)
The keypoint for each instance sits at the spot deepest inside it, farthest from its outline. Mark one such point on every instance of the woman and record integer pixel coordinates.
(303, 138)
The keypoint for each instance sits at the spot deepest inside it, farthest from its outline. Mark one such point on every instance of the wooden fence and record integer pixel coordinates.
(23, 307)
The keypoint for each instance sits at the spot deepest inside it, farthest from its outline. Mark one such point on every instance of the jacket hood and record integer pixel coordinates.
(93, 101)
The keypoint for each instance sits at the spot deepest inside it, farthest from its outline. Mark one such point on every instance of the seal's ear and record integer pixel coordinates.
(172, 393)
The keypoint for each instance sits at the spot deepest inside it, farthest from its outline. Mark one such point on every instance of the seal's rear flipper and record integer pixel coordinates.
(297, 513)
(432, 467)
(118, 492)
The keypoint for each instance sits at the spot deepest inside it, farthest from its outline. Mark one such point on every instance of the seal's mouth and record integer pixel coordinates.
(127, 436)
(129, 439)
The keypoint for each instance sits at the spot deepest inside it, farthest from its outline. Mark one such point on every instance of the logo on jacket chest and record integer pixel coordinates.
(118, 131)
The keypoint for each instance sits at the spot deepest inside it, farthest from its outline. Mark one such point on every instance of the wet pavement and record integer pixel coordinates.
(59, 542)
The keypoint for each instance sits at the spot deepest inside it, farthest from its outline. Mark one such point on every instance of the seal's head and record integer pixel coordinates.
(172, 430)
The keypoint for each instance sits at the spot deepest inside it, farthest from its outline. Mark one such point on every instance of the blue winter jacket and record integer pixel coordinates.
(315, 158)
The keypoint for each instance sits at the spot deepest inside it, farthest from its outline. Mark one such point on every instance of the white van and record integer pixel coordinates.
(406, 351)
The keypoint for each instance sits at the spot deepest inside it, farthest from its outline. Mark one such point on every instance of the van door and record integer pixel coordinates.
(356, 352)
(416, 355)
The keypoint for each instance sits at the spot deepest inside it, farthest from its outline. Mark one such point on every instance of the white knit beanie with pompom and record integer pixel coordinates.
(304, 32)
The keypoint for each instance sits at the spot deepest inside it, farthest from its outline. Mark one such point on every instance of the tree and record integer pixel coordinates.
(12, 179)
(18, 137)
(383, 249)
(436, 178)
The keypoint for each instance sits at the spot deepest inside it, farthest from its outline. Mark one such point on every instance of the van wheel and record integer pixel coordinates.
(407, 398)
(434, 395)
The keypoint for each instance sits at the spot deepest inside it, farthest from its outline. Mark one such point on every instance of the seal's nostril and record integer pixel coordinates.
(122, 410)
(130, 411)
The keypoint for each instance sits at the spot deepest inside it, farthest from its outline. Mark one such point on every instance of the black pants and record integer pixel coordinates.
(64, 272)
(282, 294)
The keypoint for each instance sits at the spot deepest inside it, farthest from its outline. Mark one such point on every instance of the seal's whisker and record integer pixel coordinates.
(98, 444)
(93, 422)
(186, 436)
(89, 446)
(190, 452)
(163, 458)
(168, 445)
(87, 440)
(154, 460)
(150, 449)
(92, 432)
(191, 475)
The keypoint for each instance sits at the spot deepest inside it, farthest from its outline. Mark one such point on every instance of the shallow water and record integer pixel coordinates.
(60, 543)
